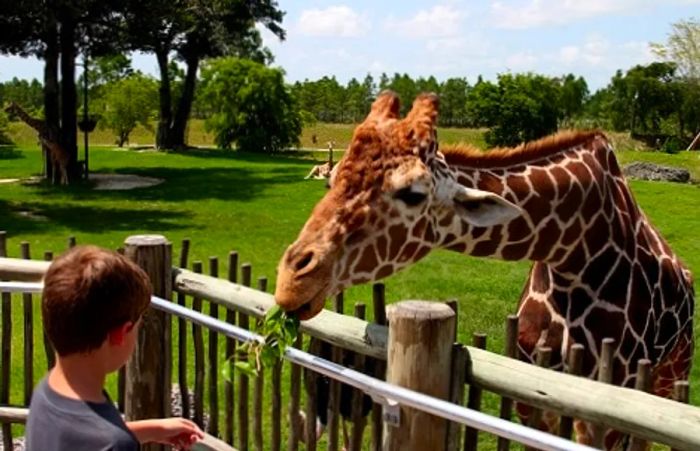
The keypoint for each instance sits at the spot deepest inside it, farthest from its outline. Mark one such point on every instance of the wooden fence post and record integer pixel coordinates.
(148, 371)
(419, 358)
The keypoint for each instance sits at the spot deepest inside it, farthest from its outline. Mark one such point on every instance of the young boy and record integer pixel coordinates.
(92, 306)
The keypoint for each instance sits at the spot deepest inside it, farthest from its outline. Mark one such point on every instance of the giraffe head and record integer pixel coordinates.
(392, 199)
(12, 107)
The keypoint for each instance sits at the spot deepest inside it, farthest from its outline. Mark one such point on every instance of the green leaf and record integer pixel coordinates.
(246, 368)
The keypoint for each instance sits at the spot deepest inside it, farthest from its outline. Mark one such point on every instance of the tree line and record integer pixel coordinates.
(212, 65)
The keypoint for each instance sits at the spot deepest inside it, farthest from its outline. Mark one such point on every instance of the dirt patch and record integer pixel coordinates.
(123, 181)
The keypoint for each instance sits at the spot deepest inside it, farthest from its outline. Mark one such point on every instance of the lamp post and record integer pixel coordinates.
(85, 109)
(87, 124)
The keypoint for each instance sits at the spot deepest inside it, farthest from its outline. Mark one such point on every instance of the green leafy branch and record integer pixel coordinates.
(278, 331)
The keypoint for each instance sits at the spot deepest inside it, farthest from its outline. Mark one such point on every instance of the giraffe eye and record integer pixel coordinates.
(410, 197)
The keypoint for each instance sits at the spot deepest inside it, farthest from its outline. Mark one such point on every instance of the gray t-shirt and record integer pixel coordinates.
(57, 423)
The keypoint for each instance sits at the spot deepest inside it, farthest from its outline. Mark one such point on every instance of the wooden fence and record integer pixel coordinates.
(248, 414)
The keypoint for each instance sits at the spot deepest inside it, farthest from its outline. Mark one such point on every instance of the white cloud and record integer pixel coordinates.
(336, 21)
(538, 13)
(598, 52)
(438, 22)
(521, 61)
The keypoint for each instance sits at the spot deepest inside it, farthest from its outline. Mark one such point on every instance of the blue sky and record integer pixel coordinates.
(456, 38)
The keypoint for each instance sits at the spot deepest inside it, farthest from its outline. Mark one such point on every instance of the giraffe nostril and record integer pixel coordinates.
(304, 261)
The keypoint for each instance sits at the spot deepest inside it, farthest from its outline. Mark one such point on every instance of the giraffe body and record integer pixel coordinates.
(54, 150)
(600, 268)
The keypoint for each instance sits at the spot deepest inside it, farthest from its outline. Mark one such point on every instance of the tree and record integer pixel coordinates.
(572, 96)
(194, 30)
(521, 108)
(682, 48)
(128, 102)
(251, 106)
(453, 102)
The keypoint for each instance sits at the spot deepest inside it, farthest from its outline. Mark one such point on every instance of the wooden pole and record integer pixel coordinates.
(148, 370)
(419, 358)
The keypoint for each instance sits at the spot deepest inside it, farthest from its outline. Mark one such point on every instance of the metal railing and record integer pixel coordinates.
(389, 395)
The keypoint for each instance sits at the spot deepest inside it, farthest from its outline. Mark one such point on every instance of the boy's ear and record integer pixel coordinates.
(117, 336)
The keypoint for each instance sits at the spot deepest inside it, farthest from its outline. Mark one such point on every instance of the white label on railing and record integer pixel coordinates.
(392, 413)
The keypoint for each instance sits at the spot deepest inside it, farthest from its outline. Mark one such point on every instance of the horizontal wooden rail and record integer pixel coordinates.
(22, 270)
(344, 331)
(19, 415)
(630, 411)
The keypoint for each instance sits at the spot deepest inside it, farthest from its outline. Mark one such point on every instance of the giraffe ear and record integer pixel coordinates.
(484, 208)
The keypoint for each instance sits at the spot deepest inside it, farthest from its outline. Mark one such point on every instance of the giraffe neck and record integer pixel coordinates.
(36, 124)
(574, 201)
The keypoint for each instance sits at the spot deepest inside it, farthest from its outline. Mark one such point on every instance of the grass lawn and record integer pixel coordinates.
(257, 204)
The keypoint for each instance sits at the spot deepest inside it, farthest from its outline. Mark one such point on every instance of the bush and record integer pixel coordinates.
(251, 106)
(674, 144)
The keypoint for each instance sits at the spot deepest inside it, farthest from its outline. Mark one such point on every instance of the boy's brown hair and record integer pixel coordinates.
(89, 291)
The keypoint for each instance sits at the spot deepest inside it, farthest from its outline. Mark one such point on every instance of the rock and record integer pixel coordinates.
(651, 171)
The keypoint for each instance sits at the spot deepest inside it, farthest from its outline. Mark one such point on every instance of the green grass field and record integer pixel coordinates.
(257, 204)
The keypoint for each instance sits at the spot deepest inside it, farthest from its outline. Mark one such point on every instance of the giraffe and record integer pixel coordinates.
(58, 156)
(600, 269)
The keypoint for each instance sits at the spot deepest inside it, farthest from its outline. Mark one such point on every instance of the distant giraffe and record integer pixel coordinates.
(600, 268)
(55, 151)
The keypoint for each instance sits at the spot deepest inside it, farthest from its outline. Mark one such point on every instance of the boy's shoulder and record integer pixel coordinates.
(59, 423)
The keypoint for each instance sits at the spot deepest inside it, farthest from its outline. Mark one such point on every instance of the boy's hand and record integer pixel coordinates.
(178, 432)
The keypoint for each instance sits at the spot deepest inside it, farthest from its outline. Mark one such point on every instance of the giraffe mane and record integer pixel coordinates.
(463, 154)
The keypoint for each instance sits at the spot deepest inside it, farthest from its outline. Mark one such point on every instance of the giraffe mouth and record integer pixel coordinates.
(310, 308)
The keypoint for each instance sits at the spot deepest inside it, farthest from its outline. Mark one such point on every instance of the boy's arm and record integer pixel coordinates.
(171, 431)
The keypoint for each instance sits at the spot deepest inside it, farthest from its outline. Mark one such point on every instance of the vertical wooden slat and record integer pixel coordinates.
(294, 392)
(643, 383)
(230, 352)
(511, 350)
(358, 420)
(379, 307)
(213, 359)
(681, 391)
(605, 374)
(258, 388)
(276, 442)
(454, 435)
(311, 399)
(121, 374)
(48, 349)
(28, 309)
(182, 339)
(198, 342)
(574, 367)
(243, 322)
(460, 356)
(544, 357)
(471, 435)
(5, 350)
(334, 419)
